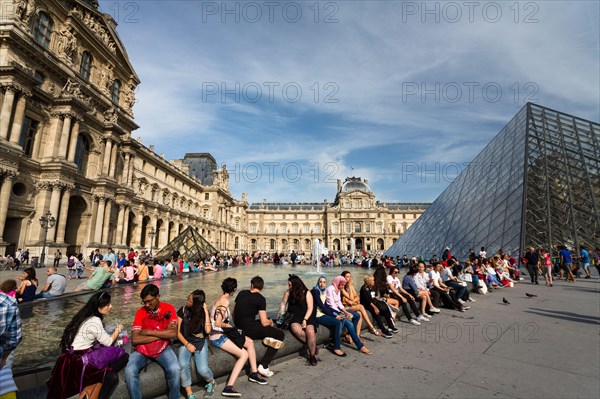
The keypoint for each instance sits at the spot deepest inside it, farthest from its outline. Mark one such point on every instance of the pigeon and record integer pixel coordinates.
(505, 301)
(530, 295)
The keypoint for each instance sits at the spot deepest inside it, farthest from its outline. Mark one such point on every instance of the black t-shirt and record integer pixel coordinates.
(196, 338)
(247, 306)
(532, 258)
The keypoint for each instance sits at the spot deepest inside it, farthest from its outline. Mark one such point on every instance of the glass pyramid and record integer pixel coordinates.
(190, 244)
(537, 183)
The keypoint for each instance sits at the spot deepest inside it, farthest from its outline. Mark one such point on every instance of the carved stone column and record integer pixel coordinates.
(50, 145)
(130, 171)
(54, 205)
(64, 136)
(125, 226)
(15, 133)
(119, 237)
(137, 239)
(6, 113)
(113, 161)
(73, 142)
(99, 219)
(106, 226)
(106, 156)
(5, 189)
(63, 215)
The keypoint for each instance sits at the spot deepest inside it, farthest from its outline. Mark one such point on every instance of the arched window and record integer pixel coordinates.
(115, 91)
(357, 228)
(85, 68)
(42, 30)
(82, 152)
(284, 228)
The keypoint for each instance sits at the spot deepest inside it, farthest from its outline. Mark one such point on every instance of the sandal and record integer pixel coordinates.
(348, 340)
(365, 351)
(375, 332)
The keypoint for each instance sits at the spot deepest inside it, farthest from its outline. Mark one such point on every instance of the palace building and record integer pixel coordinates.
(354, 213)
(73, 178)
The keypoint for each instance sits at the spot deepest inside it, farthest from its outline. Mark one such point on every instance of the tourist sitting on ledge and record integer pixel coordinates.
(351, 301)
(377, 307)
(9, 287)
(143, 272)
(125, 275)
(350, 319)
(101, 274)
(69, 375)
(325, 316)
(220, 316)
(158, 270)
(300, 307)
(194, 328)
(416, 280)
(397, 292)
(55, 284)
(29, 283)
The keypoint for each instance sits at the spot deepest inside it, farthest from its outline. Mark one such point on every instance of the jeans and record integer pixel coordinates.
(201, 359)
(167, 360)
(351, 327)
(43, 295)
(335, 325)
(461, 290)
(533, 272)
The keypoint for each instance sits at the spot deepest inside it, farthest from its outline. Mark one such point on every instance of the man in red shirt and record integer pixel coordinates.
(154, 326)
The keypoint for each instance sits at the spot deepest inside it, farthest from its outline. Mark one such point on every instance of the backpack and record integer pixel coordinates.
(71, 262)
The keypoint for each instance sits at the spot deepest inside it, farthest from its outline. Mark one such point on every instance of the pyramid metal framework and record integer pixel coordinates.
(536, 183)
(190, 244)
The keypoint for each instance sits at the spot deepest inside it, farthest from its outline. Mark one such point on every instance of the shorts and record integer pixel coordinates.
(218, 342)
(84, 287)
(585, 266)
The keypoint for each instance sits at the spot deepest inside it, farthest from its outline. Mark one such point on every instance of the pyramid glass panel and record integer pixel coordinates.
(536, 183)
(190, 244)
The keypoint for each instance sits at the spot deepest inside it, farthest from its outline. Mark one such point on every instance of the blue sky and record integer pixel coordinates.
(402, 93)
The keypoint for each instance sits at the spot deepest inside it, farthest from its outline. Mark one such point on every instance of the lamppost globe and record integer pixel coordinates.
(47, 221)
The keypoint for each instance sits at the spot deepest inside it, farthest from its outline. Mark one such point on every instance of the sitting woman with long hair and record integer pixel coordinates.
(83, 331)
(351, 301)
(303, 324)
(29, 284)
(193, 329)
(220, 316)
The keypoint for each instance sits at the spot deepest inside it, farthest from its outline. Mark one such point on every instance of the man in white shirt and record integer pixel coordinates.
(462, 293)
(439, 289)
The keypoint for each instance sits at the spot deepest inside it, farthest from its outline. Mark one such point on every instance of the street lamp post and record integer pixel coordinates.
(47, 221)
(151, 233)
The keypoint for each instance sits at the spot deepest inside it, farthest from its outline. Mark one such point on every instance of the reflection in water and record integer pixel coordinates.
(43, 323)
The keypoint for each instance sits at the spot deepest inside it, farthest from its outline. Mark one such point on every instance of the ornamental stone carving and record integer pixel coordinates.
(95, 26)
(24, 9)
(67, 43)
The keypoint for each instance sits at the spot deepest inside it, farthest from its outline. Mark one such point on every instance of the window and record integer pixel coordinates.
(336, 228)
(379, 228)
(253, 228)
(348, 227)
(356, 204)
(404, 216)
(306, 228)
(272, 228)
(236, 243)
(206, 196)
(28, 132)
(237, 224)
(81, 153)
(393, 227)
(85, 68)
(284, 228)
(115, 91)
(414, 216)
(367, 205)
(357, 228)
(272, 244)
(295, 228)
(368, 227)
(318, 228)
(42, 30)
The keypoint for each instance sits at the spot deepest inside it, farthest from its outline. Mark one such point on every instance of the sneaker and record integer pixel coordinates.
(414, 322)
(265, 372)
(471, 300)
(434, 310)
(422, 318)
(394, 330)
(255, 377)
(191, 396)
(461, 301)
(386, 334)
(230, 391)
(273, 343)
(210, 389)
(466, 307)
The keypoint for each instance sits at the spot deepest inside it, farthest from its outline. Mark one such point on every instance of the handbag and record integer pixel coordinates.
(100, 357)
(235, 335)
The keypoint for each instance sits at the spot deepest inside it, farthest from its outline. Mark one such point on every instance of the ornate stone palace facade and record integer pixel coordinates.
(374, 225)
(67, 90)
